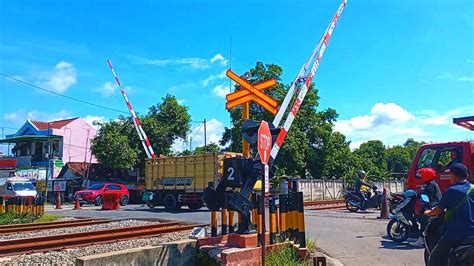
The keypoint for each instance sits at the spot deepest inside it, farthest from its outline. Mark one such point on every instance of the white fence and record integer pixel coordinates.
(333, 189)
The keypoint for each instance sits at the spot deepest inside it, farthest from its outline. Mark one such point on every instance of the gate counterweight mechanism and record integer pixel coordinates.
(242, 173)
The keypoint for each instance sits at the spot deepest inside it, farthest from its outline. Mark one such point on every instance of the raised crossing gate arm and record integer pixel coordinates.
(301, 93)
(136, 122)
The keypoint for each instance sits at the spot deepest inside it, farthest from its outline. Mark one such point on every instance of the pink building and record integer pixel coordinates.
(66, 140)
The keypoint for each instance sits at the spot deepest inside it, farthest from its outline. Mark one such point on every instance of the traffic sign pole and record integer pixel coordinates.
(264, 148)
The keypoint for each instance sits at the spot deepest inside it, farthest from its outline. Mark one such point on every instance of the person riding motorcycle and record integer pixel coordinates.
(359, 182)
(458, 201)
(431, 189)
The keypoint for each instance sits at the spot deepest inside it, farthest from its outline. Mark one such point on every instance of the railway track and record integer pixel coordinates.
(325, 204)
(31, 227)
(59, 242)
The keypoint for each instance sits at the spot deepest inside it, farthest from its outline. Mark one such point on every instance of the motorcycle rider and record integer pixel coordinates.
(458, 200)
(359, 182)
(431, 189)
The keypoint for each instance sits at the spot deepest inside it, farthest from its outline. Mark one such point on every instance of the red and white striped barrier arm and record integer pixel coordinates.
(307, 83)
(138, 126)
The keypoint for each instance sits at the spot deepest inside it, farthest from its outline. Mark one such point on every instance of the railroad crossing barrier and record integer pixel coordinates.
(22, 205)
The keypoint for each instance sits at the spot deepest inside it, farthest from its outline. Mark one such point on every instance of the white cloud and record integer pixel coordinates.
(214, 130)
(13, 116)
(470, 61)
(108, 88)
(20, 116)
(94, 118)
(436, 120)
(220, 58)
(380, 114)
(393, 124)
(455, 77)
(206, 81)
(188, 62)
(221, 90)
(464, 78)
(181, 101)
(60, 78)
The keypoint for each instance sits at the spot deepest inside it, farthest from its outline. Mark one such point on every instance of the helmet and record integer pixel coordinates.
(427, 174)
(361, 173)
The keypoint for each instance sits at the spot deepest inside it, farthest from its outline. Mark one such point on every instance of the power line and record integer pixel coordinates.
(78, 100)
(62, 95)
(9, 128)
(197, 131)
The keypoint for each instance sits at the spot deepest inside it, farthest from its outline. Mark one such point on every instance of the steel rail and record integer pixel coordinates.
(45, 223)
(20, 228)
(59, 242)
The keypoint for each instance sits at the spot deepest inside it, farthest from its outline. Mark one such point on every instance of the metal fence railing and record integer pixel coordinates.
(320, 189)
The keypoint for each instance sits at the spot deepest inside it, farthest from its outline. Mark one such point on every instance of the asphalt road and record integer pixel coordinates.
(358, 239)
(352, 238)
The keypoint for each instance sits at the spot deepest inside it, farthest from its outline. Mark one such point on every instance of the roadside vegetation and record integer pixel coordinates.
(289, 256)
(14, 218)
(326, 153)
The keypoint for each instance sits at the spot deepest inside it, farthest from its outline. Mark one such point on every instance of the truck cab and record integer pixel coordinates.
(12, 187)
(439, 156)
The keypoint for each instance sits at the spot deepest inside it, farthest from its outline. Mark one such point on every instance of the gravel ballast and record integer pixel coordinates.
(78, 229)
(68, 256)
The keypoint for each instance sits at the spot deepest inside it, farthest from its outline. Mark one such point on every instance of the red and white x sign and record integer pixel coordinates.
(251, 93)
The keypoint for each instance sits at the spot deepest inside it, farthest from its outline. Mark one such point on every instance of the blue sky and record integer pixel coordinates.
(392, 70)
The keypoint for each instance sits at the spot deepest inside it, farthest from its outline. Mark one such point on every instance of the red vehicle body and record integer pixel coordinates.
(437, 156)
(95, 193)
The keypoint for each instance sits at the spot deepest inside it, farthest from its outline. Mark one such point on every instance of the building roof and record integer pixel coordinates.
(53, 124)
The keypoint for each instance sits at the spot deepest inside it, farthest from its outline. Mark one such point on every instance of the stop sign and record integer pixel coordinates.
(264, 142)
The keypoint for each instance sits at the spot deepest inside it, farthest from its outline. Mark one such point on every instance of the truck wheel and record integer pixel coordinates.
(170, 202)
(195, 206)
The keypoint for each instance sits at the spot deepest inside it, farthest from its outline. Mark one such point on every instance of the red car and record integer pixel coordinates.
(95, 193)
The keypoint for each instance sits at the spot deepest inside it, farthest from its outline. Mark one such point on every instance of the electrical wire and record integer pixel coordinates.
(62, 95)
(79, 100)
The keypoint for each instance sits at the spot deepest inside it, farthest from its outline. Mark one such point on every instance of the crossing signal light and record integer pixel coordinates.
(250, 131)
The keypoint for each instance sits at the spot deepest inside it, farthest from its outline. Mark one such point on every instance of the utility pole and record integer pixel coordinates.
(205, 137)
(3, 136)
(190, 143)
(48, 155)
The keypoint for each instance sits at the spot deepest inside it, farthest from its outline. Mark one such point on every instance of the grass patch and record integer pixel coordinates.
(311, 245)
(48, 218)
(14, 218)
(287, 256)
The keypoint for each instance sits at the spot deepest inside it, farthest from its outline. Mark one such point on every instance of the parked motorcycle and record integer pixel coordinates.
(354, 201)
(462, 255)
(403, 221)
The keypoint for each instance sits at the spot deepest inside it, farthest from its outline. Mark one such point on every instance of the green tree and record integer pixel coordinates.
(412, 147)
(398, 159)
(165, 122)
(370, 156)
(211, 147)
(304, 151)
(111, 146)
